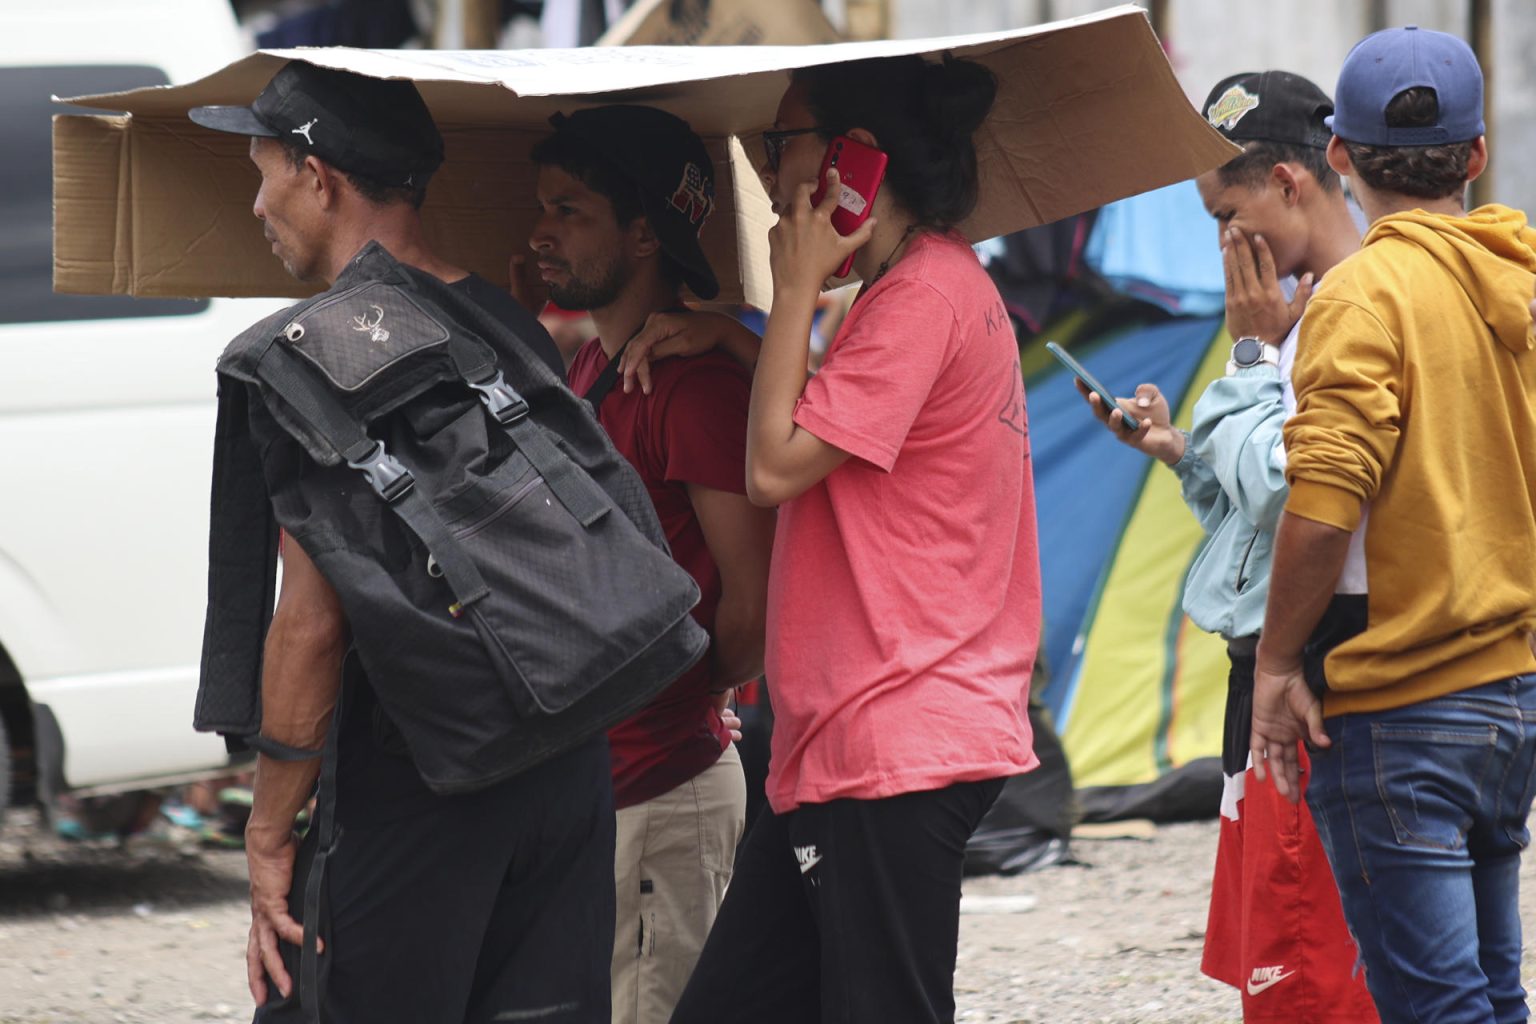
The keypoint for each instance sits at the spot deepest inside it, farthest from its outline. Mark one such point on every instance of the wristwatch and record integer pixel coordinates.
(1250, 351)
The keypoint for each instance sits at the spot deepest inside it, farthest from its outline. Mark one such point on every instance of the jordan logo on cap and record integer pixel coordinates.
(303, 130)
(693, 198)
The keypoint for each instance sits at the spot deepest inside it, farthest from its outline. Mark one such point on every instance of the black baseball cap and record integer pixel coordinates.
(379, 128)
(1270, 106)
(671, 169)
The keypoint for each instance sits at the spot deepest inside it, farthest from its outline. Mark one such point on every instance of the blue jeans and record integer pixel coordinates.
(1422, 810)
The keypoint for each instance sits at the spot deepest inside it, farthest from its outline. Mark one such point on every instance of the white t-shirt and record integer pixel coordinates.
(1352, 579)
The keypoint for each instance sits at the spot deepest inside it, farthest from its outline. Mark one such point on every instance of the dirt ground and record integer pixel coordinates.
(154, 933)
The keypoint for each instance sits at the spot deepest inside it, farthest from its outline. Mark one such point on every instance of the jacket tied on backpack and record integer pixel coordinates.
(507, 584)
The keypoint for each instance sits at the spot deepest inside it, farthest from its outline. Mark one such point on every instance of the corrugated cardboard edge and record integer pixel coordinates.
(582, 72)
(90, 209)
(721, 23)
(754, 217)
(1142, 131)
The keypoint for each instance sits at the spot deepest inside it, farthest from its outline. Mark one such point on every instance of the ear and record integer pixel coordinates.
(861, 135)
(324, 181)
(1338, 158)
(1477, 160)
(1284, 178)
(642, 239)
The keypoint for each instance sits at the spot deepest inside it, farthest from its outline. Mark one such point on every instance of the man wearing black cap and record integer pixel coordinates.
(1276, 932)
(625, 191)
(1416, 398)
(489, 905)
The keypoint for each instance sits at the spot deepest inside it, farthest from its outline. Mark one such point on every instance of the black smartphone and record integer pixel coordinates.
(1082, 374)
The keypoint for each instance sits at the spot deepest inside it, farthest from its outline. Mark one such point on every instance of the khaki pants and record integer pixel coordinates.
(671, 866)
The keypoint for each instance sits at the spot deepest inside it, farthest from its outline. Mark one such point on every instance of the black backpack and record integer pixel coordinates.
(507, 583)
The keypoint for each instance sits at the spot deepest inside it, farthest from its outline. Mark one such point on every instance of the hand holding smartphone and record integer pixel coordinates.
(1130, 422)
(860, 171)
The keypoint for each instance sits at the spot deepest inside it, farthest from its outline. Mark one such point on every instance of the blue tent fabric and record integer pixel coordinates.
(1087, 483)
(1160, 246)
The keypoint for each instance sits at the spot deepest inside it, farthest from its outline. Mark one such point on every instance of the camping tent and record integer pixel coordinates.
(1137, 691)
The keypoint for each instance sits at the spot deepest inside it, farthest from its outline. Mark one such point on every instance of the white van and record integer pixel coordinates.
(106, 427)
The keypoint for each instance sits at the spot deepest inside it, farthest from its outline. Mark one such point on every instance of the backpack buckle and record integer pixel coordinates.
(506, 405)
(386, 474)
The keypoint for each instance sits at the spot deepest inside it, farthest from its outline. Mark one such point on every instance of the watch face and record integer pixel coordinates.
(1247, 351)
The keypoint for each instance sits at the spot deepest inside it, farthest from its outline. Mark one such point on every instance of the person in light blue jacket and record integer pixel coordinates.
(1276, 931)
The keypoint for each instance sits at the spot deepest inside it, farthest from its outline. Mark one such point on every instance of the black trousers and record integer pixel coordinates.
(846, 912)
(478, 907)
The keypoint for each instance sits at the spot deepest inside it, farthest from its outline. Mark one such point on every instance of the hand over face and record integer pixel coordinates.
(524, 283)
(1256, 305)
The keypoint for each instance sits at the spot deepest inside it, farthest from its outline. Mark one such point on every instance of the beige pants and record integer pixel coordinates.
(672, 862)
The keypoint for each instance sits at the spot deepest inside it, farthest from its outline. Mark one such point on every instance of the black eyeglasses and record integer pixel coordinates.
(775, 141)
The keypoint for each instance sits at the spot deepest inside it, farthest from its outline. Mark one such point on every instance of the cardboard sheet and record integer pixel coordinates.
(721, 23)
(1088, 111)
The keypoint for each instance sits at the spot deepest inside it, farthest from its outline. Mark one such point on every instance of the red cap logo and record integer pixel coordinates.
(694, 198)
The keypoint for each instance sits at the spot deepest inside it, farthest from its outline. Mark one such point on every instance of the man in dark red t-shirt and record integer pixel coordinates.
(624, 192)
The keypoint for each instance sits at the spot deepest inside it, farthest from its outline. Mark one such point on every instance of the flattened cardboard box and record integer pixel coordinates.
(721, 23)
(1087, 111)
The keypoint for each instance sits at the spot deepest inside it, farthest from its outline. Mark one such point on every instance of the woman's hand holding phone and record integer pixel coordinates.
(804, 248)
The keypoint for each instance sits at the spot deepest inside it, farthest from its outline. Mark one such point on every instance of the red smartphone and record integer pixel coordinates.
(860, 170)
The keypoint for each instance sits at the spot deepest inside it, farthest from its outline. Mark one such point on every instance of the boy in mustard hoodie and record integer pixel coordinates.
(1415, 378)
(1275, 930)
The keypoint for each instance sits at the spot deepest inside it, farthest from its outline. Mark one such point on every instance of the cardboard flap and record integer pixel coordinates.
(89, 156)
(720, 23)
(1088, 111)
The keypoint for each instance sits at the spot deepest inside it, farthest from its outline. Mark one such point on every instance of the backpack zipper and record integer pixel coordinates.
(466, 532)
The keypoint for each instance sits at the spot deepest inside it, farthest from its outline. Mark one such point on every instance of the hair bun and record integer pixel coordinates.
(956, 96)
(922, 114)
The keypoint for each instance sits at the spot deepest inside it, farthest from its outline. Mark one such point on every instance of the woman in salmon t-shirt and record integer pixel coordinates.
(904, 597)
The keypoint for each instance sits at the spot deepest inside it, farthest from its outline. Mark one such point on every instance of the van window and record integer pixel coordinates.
(26, 196)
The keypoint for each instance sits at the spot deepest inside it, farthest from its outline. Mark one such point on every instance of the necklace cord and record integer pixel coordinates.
(886, 263)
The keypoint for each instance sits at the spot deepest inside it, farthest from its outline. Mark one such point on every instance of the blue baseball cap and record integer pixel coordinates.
(1386, 63)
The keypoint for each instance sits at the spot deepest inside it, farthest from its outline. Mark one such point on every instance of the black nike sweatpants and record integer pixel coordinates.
(846, 912)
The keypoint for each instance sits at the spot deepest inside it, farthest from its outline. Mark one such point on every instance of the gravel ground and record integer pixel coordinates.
(154, 933)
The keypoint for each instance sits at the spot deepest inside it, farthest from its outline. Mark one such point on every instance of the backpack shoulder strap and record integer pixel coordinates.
(302, 389)
(610, 374)
(605, 381)
(583, 498)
